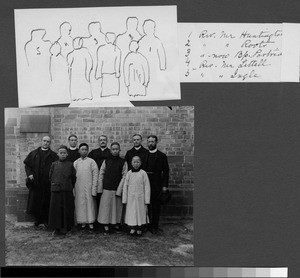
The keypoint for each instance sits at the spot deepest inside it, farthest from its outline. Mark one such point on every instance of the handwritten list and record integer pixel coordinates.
(227, 52)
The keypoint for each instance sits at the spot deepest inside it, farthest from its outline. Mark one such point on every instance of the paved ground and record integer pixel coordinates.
(26, 246)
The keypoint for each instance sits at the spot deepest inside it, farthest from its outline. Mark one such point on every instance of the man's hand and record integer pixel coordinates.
(164, 189)
(31, 177)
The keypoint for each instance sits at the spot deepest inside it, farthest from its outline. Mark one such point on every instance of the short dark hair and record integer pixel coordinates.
(62, 147)
(137, 157)
(72, 135)
(153, 136)
(115, 143)
(83, 145)
(138, 135)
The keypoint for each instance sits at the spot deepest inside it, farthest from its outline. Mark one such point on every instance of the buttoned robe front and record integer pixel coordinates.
(85, 189)
(136, 194)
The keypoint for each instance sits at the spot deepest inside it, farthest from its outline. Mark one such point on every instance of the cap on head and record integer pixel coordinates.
(115, 144)
(83, 145)
(62, 147)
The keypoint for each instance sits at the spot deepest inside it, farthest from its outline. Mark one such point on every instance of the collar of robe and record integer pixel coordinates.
(115, 157)
(136, 170)
(153, 151)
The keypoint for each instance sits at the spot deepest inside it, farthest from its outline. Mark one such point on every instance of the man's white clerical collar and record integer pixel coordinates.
(73, 148)
(103, 149)
(44, 149)
(153, 151)
(137, 148)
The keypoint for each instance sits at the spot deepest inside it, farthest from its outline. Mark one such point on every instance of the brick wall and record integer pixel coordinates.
(174, 128)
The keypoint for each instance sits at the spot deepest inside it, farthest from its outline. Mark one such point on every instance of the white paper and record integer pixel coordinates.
(230, 52)
(79, 55)
(291, 52)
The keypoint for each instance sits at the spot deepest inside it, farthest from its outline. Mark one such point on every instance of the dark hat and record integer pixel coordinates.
(164, 197)
(83, 144)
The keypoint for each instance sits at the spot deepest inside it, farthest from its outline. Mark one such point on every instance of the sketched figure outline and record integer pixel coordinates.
(80, 67)
(96, 38)
(150, 43)
(131, 33)
(65, 40)
(55, 51)
(36, 34)
(108, 66)
(136, 71)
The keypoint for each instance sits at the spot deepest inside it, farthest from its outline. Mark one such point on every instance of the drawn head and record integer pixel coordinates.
(110, 37)
(77, 43)
(152, 142)
(94, 28)
(62, 152)
(136, 162)
(132, 23)
(46, 142)
(65, 29)
(137, 140)
(115, 148)
(55, 49)
(149, 27)
(133, 46)
(38, 34)
(102, 141)
(72, 139)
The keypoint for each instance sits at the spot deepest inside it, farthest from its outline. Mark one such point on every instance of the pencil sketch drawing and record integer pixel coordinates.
(37, 52)
(151, 46)
(136, 71)
(96, 55)
(80, 67)
(65, 40)
(108, 66)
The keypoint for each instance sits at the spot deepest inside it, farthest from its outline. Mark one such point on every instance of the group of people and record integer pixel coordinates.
(97, 189)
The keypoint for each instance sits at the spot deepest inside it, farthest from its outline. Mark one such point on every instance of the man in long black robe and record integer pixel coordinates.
(136, 150)
(157, 168)
(37, 167)
(73, 153)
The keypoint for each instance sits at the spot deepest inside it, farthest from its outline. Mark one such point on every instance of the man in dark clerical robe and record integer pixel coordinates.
(137, 150)
(37, 167)
(73, 153)
(157, 168)
(99, 155)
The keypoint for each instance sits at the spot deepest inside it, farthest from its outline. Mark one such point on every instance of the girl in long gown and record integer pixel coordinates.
(85, 188)
(136, 194)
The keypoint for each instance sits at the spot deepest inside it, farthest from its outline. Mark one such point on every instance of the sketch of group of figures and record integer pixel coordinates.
(129, 60)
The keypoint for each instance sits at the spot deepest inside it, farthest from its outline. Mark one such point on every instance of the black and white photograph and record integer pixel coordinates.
(99, 186)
